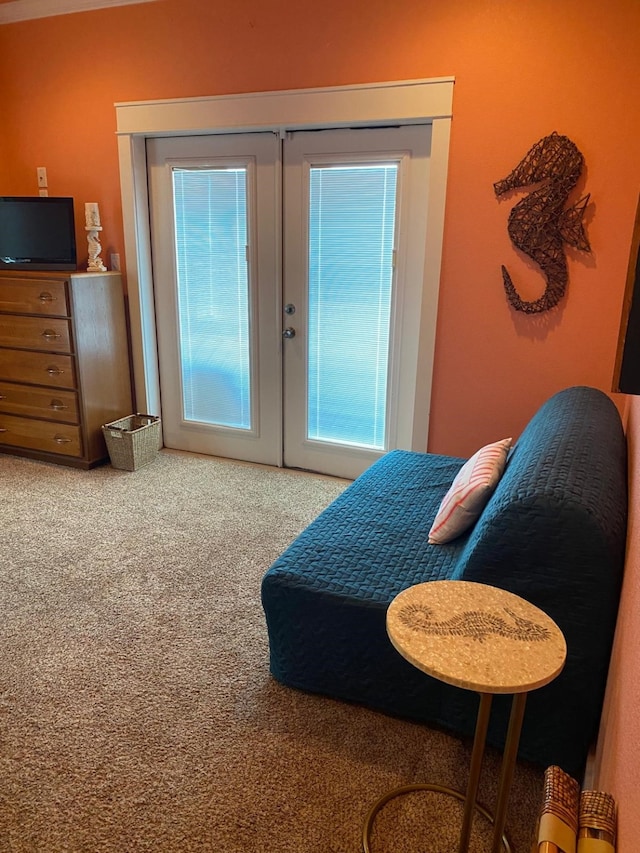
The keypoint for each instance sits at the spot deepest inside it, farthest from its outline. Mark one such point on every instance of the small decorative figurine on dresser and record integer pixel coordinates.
(92, 227)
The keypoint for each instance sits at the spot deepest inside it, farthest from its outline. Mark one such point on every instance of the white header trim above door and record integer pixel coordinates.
(407, 102)
(369, 105)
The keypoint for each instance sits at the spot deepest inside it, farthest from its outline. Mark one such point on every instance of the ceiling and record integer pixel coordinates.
(25, 10)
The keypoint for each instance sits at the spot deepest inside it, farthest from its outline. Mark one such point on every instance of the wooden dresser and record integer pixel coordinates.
(64, 364)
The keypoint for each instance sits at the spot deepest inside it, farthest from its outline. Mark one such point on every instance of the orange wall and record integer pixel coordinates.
(618, 753)
(521, 69)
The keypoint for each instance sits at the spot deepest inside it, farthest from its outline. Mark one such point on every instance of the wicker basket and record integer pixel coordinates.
(132, 441)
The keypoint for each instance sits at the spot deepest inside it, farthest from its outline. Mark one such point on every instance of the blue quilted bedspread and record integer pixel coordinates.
(553, 532)
(370, 543)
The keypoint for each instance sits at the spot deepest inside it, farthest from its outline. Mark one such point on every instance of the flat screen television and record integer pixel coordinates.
(37, 233)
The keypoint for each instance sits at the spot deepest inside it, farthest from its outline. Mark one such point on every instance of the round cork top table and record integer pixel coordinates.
(480, 638)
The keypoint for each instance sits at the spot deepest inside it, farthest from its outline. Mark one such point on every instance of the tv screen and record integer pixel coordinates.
(37, 233)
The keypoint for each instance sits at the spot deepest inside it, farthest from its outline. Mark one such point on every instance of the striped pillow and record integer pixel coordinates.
(468, 494)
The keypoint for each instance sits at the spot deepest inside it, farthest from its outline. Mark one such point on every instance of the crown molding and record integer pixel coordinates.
(27, 10)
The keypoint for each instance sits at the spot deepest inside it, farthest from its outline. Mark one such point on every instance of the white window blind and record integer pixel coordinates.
(213, 294)
(351, 241)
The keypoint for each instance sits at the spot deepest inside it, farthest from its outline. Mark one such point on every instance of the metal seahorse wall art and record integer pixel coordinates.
(539, 225)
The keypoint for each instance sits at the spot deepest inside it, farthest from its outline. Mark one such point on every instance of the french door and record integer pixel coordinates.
(286, 274)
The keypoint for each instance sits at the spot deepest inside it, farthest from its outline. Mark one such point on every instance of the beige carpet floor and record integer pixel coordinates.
(137, 712)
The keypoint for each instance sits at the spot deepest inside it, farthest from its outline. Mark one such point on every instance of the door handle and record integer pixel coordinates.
(289, 332)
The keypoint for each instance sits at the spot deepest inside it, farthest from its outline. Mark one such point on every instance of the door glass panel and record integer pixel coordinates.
(213, 295)
(351, 240)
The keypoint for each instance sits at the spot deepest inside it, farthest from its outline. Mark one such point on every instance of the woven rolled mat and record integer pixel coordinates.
(558, 822)
(597, 832)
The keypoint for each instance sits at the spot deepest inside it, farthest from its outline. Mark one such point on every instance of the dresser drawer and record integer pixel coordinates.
(56, 405)
(43, 333)
(37, 368)
(40, 435)
(45, 296)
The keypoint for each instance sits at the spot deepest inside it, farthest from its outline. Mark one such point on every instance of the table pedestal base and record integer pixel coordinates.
(470, 799)
(408, 789)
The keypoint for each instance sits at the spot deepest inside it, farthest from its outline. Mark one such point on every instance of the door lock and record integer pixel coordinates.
(289, 333)
(289, 308)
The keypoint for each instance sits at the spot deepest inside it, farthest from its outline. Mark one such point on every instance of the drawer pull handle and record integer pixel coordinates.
(3, 396)
(2, 429)
(58, 405)
(54, 371)
(61, 439)
(45, 296)
(50, 335)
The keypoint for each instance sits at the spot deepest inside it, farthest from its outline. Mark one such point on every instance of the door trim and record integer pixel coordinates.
(401, 102)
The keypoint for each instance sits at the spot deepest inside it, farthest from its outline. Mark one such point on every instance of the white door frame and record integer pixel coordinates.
(371, 105)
